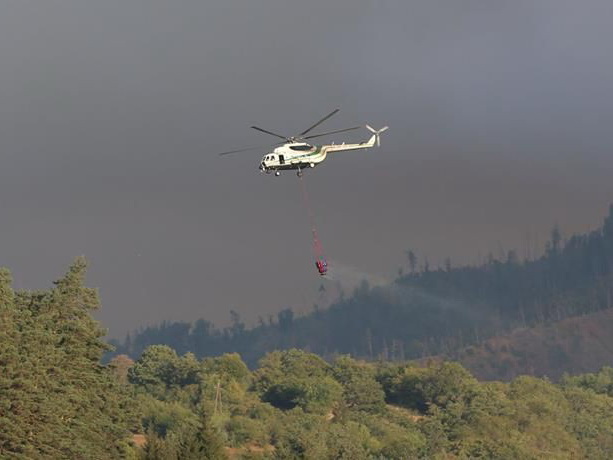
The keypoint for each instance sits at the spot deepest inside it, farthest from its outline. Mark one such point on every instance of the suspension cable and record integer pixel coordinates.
(317, 246)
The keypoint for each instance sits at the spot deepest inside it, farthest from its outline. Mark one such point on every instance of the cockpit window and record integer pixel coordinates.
(300, 147)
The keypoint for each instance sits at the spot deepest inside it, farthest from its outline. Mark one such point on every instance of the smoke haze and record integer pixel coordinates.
(111, 115)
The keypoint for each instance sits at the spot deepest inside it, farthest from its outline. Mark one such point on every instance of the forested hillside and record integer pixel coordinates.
(424, 313)
(296, 405)
(573, 345)
(58, 401)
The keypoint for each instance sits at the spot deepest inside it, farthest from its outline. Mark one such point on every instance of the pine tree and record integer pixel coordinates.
(58, 401)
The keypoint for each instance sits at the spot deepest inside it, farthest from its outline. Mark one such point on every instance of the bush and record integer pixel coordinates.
(242, 430)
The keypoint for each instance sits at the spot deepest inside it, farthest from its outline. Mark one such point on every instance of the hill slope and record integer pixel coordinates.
(430, 312)
(573, 345)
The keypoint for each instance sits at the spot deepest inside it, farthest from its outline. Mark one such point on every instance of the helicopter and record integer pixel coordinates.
(296, 154)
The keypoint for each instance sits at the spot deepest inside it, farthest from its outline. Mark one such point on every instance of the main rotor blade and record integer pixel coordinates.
(271, 133)
(249, 148)
(319, 122)
(332, 132)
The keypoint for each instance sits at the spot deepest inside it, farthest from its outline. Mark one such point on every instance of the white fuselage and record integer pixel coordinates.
(300, 155)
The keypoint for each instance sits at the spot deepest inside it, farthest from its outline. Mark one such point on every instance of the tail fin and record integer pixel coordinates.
(377, 133)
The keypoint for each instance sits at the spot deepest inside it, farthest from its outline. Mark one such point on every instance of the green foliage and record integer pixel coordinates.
(591, 421)
(395, 435)
(348, 441)
(311, 394)
(196, 440)
(298, 435)
(361, 390)
(157, 448)
(159, 367)
(299, 406)
(56, 400)
(120, 365)
(445, 386)
(228, 367)
(298, 363)
(244, 430)
(294, 378)
(600, 382)
(162, 417)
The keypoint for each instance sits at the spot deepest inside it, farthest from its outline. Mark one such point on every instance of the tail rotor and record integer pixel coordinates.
(377, 133)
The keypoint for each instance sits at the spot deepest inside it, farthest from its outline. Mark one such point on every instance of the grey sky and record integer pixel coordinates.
(111, 113)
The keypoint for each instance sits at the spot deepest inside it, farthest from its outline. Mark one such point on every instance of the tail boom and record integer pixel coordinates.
(374, 140)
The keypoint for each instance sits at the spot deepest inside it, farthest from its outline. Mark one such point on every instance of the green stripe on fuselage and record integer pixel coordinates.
(298, 162)
(317, 151)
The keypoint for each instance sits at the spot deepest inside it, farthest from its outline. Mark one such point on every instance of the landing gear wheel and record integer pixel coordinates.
(299, 173)
(277, 173)
(312, 165)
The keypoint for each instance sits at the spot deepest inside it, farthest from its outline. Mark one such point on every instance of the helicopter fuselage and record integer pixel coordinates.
(300, 155)
(293, 156)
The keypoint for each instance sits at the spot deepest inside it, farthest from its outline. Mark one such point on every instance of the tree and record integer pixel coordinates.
(447, 264)
(285, 319)
(58, 401)
(228, 367)
(195, 440)
(412, 260)
(291, 378)
(319, 395)
(120, 365)
(360, 389)
(159, 367)
(600, 382)
(278, 364)
(155, 367)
